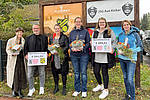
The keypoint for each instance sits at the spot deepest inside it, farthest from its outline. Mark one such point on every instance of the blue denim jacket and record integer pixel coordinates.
(83, 34)
(133, 40)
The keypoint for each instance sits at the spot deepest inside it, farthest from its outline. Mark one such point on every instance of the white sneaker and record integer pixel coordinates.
(75, 94)
(41, 90)
(98, 87)
(84, 94)
(31, 91)
(104, 94)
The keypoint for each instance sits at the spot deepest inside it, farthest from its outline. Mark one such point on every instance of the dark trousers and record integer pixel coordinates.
(97, 68)
(56, 73)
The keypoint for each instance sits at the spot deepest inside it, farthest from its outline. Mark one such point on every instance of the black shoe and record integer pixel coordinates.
(20, 94)
(56, 89)
(127, 97)
(14, 94)
(64, 91)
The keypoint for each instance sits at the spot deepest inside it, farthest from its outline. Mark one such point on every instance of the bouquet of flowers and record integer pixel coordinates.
(16, 49)
(77, 44)
(55, 48)
(124, 50)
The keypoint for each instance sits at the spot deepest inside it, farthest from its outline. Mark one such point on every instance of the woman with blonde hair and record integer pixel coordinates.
(101, 60)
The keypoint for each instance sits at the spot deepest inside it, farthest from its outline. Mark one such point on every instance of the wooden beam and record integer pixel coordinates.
(84, 13)
(41, 12)
(137, 24)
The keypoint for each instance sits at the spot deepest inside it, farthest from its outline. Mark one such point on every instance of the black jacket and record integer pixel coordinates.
(110, 57)
(64, 44)
(30, 44)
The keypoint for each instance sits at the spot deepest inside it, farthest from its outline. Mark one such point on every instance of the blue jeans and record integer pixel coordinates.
(128, 69)
(80, 66)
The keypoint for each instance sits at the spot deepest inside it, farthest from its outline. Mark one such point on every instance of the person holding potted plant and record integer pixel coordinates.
(59, 57)
(128, 64)
(16, 73)
(79, 41)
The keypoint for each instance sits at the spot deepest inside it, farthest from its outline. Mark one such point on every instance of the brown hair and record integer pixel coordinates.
(107, 26)
(19, 29)
(127, 22)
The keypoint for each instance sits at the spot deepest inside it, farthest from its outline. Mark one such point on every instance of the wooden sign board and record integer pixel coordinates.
(50, 6)
(63, 15)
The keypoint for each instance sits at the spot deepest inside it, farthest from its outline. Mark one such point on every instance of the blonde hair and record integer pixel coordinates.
(107, 26)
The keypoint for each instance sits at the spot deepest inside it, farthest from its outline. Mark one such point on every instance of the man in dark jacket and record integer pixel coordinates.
(36, 43)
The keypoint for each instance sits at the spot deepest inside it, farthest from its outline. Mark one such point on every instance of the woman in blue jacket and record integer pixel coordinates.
(80, 57)
(128, 65)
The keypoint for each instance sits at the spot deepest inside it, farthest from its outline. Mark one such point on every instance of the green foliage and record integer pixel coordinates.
(24, 2)
(14, 15)
(6, 9)
(145, 22)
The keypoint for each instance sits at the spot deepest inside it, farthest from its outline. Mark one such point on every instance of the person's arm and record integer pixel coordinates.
(113, 37)
(113, 41)
(26, 48)
(70, 40)
(46, 44)
(87, 41)
(66, 44)
(8, 47)
(139, 45)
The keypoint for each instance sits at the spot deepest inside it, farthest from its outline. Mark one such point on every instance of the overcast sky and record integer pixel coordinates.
(144, 7)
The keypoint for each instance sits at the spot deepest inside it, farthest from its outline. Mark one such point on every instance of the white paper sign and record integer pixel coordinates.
(37, 58)
(112, 10)
(101, 45)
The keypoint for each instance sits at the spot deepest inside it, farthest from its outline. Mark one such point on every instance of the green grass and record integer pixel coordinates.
(116, 86)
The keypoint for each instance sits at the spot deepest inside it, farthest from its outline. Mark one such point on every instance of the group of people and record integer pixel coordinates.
(17, 69)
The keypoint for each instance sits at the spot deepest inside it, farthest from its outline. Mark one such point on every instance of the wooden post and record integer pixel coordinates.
(137, 24)
(41, 11)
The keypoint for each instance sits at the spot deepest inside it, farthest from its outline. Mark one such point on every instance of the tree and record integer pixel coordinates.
(13, 15)
(145, 22)
(24, 2)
